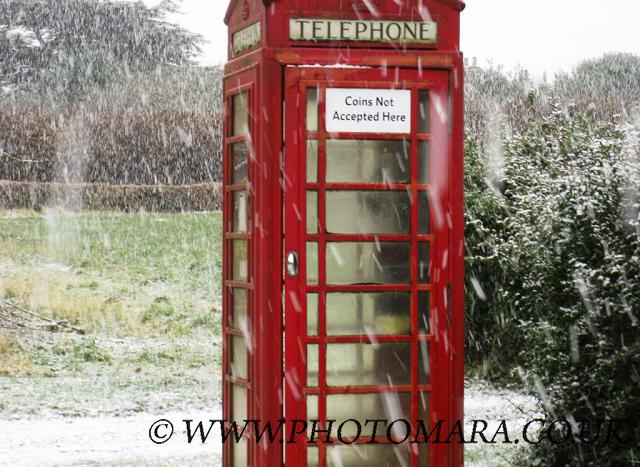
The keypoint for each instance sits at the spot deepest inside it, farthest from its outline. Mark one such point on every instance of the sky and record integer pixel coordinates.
(542, 36)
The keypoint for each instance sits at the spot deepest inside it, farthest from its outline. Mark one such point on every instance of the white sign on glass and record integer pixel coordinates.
(368, 110)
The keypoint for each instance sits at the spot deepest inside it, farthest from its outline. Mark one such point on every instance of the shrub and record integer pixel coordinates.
(557, 250)
(493, 97)
(609, 84)
(28, 142)
(163, 128)
(171, 147)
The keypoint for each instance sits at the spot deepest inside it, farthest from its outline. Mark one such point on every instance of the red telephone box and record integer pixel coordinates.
(343, 231)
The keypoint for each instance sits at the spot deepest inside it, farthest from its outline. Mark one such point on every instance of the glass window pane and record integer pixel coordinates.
(368, 263)
(423, 262)
(424, 114)
(369, 212)
(240, 115)
(239, 306)
(368, 364)
(368, 313)
(368, 161)
(240, 261)
(240, 455)
(372, 455)
(312, 365)
(386, 406)
(424, 312)
(313, 456)
(239, 396)
(424, 365)
(239, 160)
(312, 212)
(424, 220)
(240, 212)
(239, 358)
(424, 408)
(312, 263)
(424, 414)
(423, 455)
(312, 407)
(312, 414)
(312, 314)
(423, 156)
(312, 109)
(312, 161)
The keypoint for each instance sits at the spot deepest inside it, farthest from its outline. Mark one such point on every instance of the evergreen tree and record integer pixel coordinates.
(63, 47)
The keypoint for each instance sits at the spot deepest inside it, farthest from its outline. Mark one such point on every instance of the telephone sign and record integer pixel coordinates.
(340, 30)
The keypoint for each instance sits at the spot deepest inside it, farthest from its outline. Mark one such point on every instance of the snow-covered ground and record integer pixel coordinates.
(482, 402)
(103, 440)
(111, 440)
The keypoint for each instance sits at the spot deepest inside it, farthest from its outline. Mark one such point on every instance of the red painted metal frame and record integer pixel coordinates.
(297, 81)
(265, 271)
(263, 71)
(243, 84)
(267, 192)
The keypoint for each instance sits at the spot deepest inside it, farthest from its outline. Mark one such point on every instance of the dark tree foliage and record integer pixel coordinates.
(105, 91)
(64, 46)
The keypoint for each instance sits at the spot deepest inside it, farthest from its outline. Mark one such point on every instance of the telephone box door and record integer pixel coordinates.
(366, 182)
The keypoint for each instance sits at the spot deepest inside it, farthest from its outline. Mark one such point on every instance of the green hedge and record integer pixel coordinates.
(141, 147)
(554, 272)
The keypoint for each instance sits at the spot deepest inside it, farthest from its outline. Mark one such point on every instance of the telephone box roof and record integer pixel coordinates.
(458, 5)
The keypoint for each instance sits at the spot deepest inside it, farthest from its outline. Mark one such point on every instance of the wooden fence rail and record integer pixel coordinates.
(103, 197)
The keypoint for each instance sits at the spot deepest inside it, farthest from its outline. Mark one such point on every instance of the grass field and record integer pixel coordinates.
(145, 288)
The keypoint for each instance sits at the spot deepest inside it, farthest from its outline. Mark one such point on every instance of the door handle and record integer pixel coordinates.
(293, 264)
